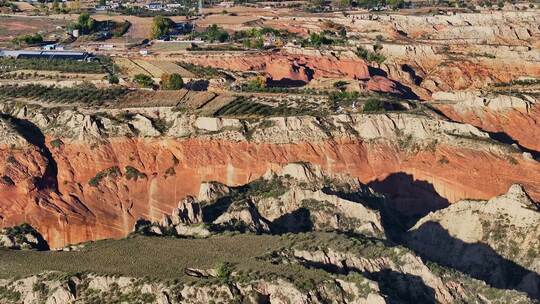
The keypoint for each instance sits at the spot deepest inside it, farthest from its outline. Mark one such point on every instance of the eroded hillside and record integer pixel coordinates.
(312, 155)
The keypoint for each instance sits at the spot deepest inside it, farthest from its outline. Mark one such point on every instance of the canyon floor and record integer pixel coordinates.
(310, 157)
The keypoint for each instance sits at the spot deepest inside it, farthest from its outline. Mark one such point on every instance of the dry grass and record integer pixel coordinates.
(13, 26)
(169, 46)
(154, 68)
(25, 6)
(128, 67)
(162, 258)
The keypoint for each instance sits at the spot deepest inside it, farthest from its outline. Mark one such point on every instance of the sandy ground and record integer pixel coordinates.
(140, 26)
(154, 68)
(12, 26)
(24, 6)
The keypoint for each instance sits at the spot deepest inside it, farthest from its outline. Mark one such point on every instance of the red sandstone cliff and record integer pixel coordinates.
(83, 212)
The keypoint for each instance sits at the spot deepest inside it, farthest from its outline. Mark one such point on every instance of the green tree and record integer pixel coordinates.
(172, 82)
(143, 80)
(160, 26)
(215, 33)
(396, 3)
(85, 24)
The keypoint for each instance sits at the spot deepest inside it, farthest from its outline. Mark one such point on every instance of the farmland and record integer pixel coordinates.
(153, 68)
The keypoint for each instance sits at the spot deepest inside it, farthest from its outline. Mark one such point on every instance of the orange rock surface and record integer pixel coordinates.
(77, 211)
(280, 65)
(522, 126)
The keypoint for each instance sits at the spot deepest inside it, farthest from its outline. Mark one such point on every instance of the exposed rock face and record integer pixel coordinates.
(295, 67)
(243, 215)
(291, 200)
(186, 220)
(81, 189)
(304, 210)
(411, 266)
(495, 240)
(22, 237)
(517, 117)
(291, 66)
(77, 289)
(210, 191)
(460, 51)
(188, 212)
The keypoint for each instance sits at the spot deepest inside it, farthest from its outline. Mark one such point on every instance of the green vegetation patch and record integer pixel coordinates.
(133, 174)
(8, 295)
(162, 258)
(201, 71)
(244, 107)
(68, 66)
(370, 56)
(112, 172)
(81, 94)
(213, 33)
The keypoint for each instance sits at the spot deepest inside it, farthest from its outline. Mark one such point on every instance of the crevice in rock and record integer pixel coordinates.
(34, 136)
(500, 137)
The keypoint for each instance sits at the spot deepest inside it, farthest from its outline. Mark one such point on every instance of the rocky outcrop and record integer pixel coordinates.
(92, 287)
(287, 200)
(188, 212)
(186, 220)
(243, 216)
(22, 237)
(296, 67)
(515, 117)
(495, 240)
(210, 191)
(416, 160)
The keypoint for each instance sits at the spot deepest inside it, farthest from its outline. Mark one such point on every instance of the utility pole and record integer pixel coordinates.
(200, 7)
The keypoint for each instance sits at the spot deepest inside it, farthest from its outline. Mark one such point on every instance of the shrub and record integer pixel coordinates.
(338, 99)
(223, 272)
(160, 26)
(172, 81)
(113, 79)
(340, 85)
(28, 39)
(370, 56)
(143, 80)
(133, 173)
(316, 40)
(56, 143)
(373, 105)
(112, 172)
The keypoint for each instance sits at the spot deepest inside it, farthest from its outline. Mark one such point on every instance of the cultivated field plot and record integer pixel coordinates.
(228, 22)
(159, 67)
(128, 67)
(140, 26)
(154, 68)
(11, 26)
(169, 46)
(142, 98)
